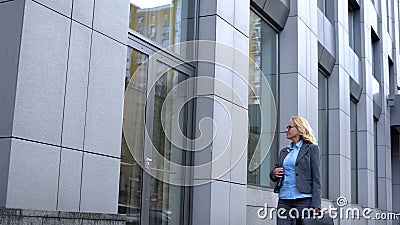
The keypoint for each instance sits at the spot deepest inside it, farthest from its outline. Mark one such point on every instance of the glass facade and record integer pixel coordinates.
(323, 131)
(150, 109)
(263, 96)
(354, 151)
(131, 174)
(146, 196)
(375, 56)
(376, 183)
(351, 27)
(165, 200)
(166, 22)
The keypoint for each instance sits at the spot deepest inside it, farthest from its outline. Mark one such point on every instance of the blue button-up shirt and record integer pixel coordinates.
(289, 187)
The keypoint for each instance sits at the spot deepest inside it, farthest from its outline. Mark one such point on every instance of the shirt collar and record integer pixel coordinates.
(298, 145)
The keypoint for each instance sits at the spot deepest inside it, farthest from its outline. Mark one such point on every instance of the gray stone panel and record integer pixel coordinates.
(237, 204)
(76, 87)
(259, 196)
(334, 181)
(377, 109)
(207, 29)
(105, 96)
(83, 11)
(395, 112)
(41, 78)
(278, 10)
(253, 219)
(61, 6)
(242, 16)
(289, 54)
(112, 18)
(365, 154)
(355, 89)
(239, 145)
(240, 69)
(220, 194)
(100, 180)
(5, 148)
(202, 199)
(336, 88)
(259, 3)
(325, 59)
(10, 39)
(222, 141)
(70, 180)
(204, 111)
(226, 10)
(326, 34)
(224, 55)
(207, 7)
(33, 176)
(287, 94)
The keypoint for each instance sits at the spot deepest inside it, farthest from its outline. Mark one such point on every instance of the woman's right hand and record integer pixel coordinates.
(278, 172)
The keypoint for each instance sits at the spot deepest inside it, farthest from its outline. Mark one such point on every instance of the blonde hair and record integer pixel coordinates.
(304, 128)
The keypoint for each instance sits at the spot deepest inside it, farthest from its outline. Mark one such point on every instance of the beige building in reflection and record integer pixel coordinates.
(157, 24)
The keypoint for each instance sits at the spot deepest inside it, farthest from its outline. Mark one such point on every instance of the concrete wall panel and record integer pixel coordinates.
(76, 87)
(100, 179)
(105, 96)
(83, 12)
(41, 77)
(33, 176)
(10, 39)
(112, 19)
(70, 180)
(61, 6)
(5, 150)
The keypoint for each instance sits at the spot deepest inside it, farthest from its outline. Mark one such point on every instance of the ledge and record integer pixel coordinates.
(29, 216)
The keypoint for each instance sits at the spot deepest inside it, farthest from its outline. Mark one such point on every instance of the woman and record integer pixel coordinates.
(297, 172)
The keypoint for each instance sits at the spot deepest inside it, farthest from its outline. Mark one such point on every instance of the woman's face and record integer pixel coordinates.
(291, 131)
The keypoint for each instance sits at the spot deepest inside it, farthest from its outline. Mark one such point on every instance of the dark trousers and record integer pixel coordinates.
(285, 206)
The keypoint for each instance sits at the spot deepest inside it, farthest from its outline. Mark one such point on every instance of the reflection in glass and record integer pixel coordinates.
(263, 52)
(351, 27)
(166, 199)
(129, 202)
(354, 151)
(376, 183)
(166, 22)
(323, 130)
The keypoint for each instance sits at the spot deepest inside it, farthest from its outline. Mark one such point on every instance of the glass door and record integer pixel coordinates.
(133, 136)
(157, 121)
(167, 94)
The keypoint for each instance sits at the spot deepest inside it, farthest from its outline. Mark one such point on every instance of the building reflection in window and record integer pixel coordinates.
(323, 128)
(165, 199)
(263, 52)
(130, 187)
(165, 21)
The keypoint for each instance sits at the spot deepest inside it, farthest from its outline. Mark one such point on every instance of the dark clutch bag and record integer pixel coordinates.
(325, 220)
(278, 185)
